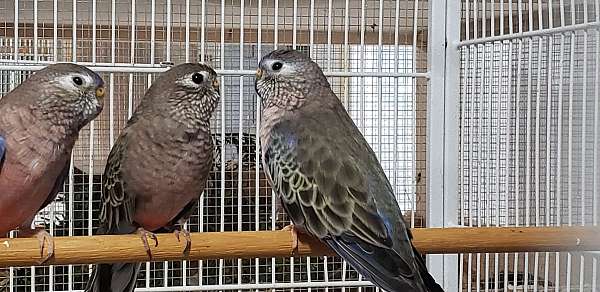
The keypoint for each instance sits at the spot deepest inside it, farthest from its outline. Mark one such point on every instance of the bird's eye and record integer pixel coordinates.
(276, 66)
(77, 80)
(197, 78)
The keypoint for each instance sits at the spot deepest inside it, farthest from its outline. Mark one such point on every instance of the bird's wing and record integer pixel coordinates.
(321, 185)
(117, 204)
(323, 179)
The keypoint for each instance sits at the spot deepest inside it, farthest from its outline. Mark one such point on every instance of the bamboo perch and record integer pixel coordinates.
(214, 245)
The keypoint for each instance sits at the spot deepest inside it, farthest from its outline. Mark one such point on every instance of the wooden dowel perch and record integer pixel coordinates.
(214, 245)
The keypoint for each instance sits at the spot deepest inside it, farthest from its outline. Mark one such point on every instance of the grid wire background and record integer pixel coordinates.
(529, 131)
(131, 39)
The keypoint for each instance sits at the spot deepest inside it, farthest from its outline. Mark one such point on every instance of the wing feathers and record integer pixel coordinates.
(118, 205)
(325, 198)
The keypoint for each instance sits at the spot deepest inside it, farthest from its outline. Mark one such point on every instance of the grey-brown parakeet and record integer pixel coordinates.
(39, 123)
(159, 165)
(328, 177)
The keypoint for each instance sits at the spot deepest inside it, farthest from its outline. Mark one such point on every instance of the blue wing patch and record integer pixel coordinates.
(2, 147)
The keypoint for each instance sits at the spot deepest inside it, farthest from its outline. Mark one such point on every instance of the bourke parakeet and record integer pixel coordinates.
(39, 122)
(158, 167)
(327, 176)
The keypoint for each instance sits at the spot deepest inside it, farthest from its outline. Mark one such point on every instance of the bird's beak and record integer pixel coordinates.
(216, 84)
(258, 73)
(100, 92)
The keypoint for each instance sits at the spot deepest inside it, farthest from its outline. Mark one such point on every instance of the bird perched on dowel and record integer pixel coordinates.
(158, 167)
(39, 123)
(328, 177)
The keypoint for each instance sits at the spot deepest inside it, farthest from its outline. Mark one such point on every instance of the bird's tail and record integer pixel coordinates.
(118, 277)
(430, 283)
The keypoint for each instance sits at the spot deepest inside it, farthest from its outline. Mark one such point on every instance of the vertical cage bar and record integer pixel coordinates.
(570, 147)
(596, 198)
(35, 31)
(346, 56)
(467, 20)
(508, 143)
(483, 20)
(74, 32)
(132, 59)
(71, 197)
(276, 32)
(475, 19)
(152, 60)
(152, 37)
(294, 23)
(168, 25)
(311, 29)
(444, 66)
(16, 32)
(257, 160)
(55, 30)
(498, 150)
(548, 149)
(379, 81)
(329, 29)
(94, 33)
(413, 196)
(187, 32)
(223, 120)
(361, 107)
(202, 32)
(395, 122)
(583, 140)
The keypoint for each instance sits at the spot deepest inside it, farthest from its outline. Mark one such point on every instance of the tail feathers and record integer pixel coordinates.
(119, 277)
(382, 266)
(430, 283)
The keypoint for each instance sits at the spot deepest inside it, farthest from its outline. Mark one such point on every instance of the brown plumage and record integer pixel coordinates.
(159, 165)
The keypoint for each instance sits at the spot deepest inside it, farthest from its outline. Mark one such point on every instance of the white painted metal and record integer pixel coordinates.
(442, 117)
(547, 175)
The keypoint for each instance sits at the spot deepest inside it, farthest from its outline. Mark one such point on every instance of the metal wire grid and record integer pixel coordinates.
(529, 135)
(231, 36)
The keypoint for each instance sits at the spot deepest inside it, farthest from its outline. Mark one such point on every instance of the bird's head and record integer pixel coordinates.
(286, 77)
(67, 94)
(191, 91)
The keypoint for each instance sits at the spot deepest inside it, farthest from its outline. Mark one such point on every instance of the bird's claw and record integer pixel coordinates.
(294, 237)
(188, 240)
(144, 234)
(43, 237)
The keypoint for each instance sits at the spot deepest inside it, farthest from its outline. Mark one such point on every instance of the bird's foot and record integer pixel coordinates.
(144, 234)
(188, 239)
(45, 240)
(294, 232)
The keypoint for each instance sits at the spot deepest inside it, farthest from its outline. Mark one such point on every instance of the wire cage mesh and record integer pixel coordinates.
(528, 136)
(527, 123)
(374, 53)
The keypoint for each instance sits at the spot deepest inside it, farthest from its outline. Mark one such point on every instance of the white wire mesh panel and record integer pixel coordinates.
(373, 50)
(529, 136)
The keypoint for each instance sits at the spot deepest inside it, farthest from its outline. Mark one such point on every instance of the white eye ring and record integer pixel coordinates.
(74, 82)
(194, 80)
(194, 77)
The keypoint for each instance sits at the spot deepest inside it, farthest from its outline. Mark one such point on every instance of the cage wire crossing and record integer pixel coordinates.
(524, 132)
